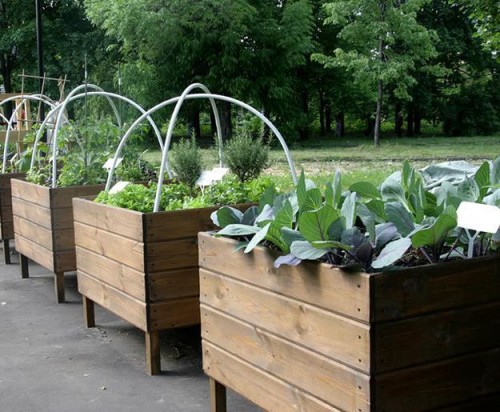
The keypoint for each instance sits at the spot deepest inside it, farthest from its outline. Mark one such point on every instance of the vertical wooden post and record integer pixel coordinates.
(6, 251)
(153, 358)
(59, 286)
(217, 396)
(23, 264)
(88, 312)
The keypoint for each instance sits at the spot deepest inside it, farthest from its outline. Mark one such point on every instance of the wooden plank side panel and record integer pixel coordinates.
(259, 387)
(62, 197)
(35, 213)
(31, 192)
(122, 222)
(174, 284)
(439, 384)
(6, 212)
(174, 254)
(114, 247)
(6, 177)
(65, 261)
(35, 233)
(484, 403)
(337, 337)
(174, 313)
(64, 239)
(35, 252)
(332, 382)
(437, 336)
(412, 292)
(62, 218)
(121, 277)
(5, 199)
(7, 230)
(122, 305)
(321, 285)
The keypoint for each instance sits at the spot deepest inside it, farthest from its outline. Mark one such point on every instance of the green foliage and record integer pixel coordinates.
(246, 157)
(186, 161)
(409, 225)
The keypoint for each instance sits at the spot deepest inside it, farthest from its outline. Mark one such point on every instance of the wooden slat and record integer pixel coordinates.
(174, 284)
(6, 199)
(174, 313)
(7, 230)
(320, 285)
(439, 384)
(125, 279)
(64, 239)
(5, 179)
(261, 388)
(484, 403)
(174, 254)
(412, 292)
(438, 336)
(31, 192)
(36, 214)
(62, 218)
(65, 261)
(115, 247)
(35, 252)
(6, 212)
(122, 222)
(37, 234)
(62, 197)
(112, 299)
(330, 381)
(327, 333)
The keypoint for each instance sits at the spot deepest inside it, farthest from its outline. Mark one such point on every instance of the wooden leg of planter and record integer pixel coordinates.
(59, 284)
(88, 312)
(217, 396)
(6, 251)
(23, 263)
(153, 359)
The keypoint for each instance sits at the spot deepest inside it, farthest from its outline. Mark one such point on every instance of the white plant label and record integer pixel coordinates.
(479, 217)
(118, 187)
(109, 163)
(209, 177)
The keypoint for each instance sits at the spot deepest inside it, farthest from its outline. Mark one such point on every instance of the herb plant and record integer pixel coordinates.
(186, 161)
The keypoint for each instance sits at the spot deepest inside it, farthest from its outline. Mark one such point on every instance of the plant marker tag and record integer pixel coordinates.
(477, 217)
(209, 177)
(118, 187)
(109, 163)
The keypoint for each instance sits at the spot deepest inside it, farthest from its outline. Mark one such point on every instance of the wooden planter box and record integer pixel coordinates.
(43, 227)
(141, 266)
(314, 338)
(6, 217)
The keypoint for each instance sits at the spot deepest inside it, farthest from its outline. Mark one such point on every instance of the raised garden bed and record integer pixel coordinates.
(43, 227)
(141, 266)
(315, 338)
(6, 217)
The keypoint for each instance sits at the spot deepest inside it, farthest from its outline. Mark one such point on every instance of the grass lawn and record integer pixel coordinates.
(357, 159)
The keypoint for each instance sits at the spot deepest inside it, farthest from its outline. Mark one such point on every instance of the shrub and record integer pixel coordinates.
(246, 157)
(186, 161)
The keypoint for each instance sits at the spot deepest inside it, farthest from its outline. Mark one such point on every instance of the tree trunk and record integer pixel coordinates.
(398, 120)
(322, 108)
(376, 130)
(194, 121)
(226, 120)
(328, 116)
(417, 130)
(5, 68)
(410, 123)
(304, 128)
(340, 124)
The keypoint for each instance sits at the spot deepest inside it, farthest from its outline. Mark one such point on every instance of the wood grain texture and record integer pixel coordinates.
(113, 273)
(320, 285)
(62, 197)
(413, 292)
(173, 284)
(261, 388)
(125, 306)
(37, 234)
(174, 254)
(31, 192)
(62, 218)
(438, 336)
(6, 177)
(439, 384)
(127, 223)
(327, 333)
(332, 382)
(174, 313)
(34, 251)
(39, 215)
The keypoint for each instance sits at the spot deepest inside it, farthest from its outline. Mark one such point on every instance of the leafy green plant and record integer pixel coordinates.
(186, 161)
(400, 223)
(246, 157)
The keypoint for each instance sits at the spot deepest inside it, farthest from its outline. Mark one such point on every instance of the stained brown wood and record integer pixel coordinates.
(23, 264)
(127, 223)
(62, 197)
(59, 286)
(36, 234)
(153, 360)
(128, 308)
(437, 336)
(88, 312)
(174, 313)
(483, 403)
(217, 396)
(439, 384)
(31, 192)
(6, 216)
(26, 247)
(432, 338)
(174, 284)
(62, 218)
(38, 215)
(258, 386)
(175, 254)
(319, 285)
(334, 336)
(6, 251)
(333, 382)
